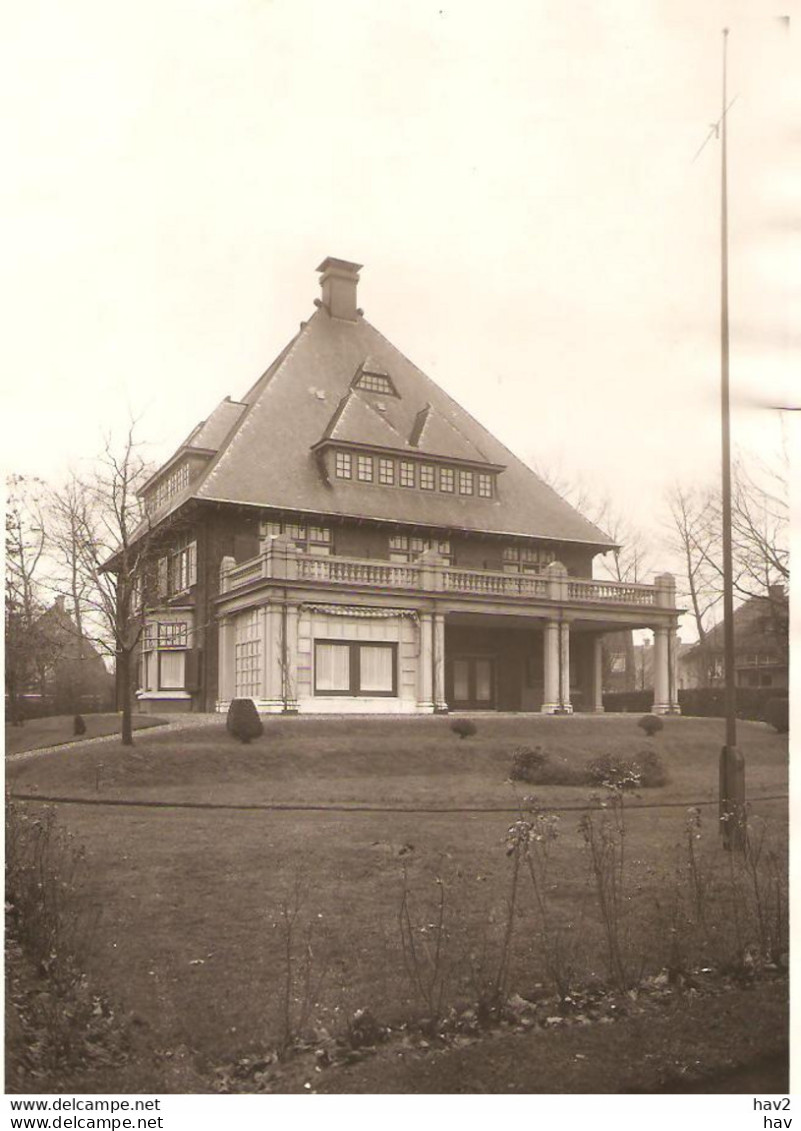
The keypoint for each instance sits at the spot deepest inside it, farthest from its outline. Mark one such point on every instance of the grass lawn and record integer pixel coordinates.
(55, 730)
(416, 761)
(188, 902)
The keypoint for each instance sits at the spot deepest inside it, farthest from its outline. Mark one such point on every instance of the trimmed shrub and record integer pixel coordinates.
(651, 724)
(777, 714)
(537, 768)
(527, 762)
(243, 720)
(646, 770)
(464, 728)
(78, 725)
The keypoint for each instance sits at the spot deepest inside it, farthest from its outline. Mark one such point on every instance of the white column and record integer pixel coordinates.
(661, 673)
(550, 667)
(673, 647)
(439, 662)
(425, 664)
(565, 706)
(597, 683)
(226, 676)
(290, 659)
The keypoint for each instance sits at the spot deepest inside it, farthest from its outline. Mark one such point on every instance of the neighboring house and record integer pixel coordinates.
(619, 662)
(345, 537)
(761, 647)
(71, 674)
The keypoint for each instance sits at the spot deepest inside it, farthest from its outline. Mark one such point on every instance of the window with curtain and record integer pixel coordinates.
(171, 671)
(353, 668)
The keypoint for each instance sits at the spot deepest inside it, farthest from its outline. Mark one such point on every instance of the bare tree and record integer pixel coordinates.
(102, 547)
(694, 538)
(25, 543)
(631, 560)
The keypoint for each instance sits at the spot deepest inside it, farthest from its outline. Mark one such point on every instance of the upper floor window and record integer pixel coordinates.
(526, 559)
(386, 471)
(446, 479)
(343, 465)
(484, 483)
(427, 476)
(465, 482)
(364, 468)
(403, 548)
(407, 473)
(168, 486)
(177, 570)
(312, 539)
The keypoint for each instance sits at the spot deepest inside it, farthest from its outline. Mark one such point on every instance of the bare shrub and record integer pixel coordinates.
(302, 972)
(465, 728)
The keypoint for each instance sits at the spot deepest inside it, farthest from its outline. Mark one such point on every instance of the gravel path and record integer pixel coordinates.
(177, 722)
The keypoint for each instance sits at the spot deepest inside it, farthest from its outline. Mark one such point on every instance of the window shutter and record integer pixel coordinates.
(163, 576)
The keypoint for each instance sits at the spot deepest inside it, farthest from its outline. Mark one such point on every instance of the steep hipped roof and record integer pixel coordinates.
(306, 396)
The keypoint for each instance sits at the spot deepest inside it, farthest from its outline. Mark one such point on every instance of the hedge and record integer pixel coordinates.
(707, 702)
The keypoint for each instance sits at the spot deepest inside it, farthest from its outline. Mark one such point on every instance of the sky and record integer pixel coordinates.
(521, 181)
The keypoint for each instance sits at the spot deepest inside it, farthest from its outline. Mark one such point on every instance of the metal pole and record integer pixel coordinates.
(732, 773)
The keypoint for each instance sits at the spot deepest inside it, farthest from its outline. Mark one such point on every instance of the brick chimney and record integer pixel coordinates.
(339, 280)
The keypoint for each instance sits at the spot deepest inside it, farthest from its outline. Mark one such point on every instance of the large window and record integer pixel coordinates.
(351, 668)
(162, 661)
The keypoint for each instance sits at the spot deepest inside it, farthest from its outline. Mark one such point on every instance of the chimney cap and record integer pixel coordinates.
(332, 263)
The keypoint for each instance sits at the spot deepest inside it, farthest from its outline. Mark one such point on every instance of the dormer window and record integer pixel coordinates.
(407, 476)
(386, 472)
(364, 469)
(465, 482)
(376, 383)
(427, 477)
(343, 465)
(484, 483)
(446, 479)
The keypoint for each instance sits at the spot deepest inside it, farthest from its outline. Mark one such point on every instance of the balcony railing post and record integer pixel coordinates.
(557, 582)
(226, 565)
(431, 571)
(665, 585)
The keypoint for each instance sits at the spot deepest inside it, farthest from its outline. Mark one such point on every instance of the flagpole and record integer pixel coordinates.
(732, 767)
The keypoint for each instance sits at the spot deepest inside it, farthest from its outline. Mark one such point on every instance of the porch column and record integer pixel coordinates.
(440, 706)
(597, 677)
(425, 664)
(272, 687)
(226, 673)
(550, 667)
(673, 671)
(289, 659)
(565, 706)
(661, 672)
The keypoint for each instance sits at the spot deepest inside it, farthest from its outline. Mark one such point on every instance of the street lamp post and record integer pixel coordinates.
(732, 764)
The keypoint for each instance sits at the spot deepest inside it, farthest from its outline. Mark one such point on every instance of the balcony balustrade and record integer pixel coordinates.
(281, 560)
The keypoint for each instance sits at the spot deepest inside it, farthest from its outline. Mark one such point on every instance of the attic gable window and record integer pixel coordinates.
(376, 383)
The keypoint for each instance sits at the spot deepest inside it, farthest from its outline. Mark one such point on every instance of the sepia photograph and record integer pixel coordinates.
(398, 426)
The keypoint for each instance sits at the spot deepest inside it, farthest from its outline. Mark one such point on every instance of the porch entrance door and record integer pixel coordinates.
(472, 682)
